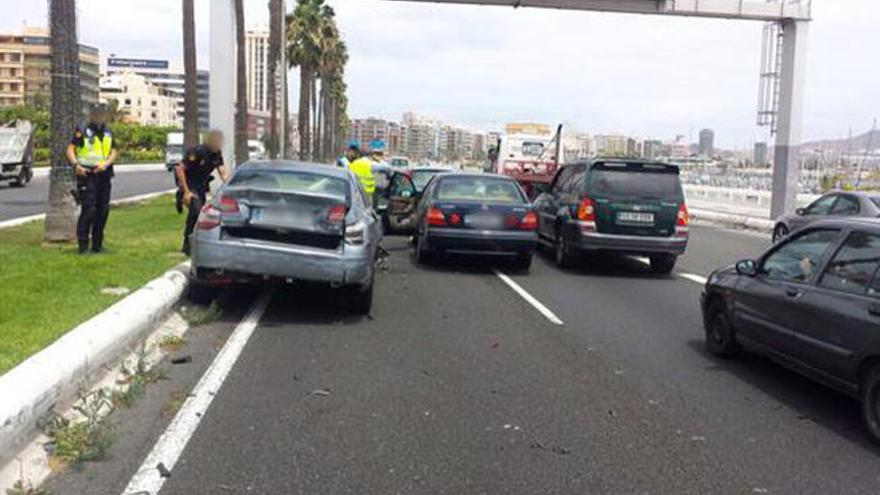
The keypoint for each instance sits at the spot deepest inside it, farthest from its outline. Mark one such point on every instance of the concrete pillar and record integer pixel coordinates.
(790, 118)
(222, 73)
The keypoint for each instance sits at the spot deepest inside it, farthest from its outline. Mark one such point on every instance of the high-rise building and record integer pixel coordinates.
(170, 79)
(652, 149)
(256, 42)
(25, 67)
(760, 157)
(707, 142)
(142, 101)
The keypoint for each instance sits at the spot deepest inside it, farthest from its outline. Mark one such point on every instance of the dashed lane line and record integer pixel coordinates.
(149, 479)
(529, 298)
(693, 278)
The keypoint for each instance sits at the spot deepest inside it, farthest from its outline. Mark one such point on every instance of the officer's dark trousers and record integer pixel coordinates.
(94, 197)
(192, 216)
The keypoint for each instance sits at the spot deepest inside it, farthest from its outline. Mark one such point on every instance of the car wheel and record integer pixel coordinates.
(720, 336)
(201, 293)
(871, 402)
(360, 299)
(522, 262)
(22, 179)
(663, 263)
(780, 232)
(565, 256)
(423, 255)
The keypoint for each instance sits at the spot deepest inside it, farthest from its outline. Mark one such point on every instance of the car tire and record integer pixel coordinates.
(720, 335)
(780, 232)
(423, 255)
(201, 293)
(871, 402)
(564, 254)
(360, 299)
(522, 263)
(22, 179)
(663, 263)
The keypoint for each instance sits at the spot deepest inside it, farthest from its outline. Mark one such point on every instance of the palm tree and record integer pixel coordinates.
(304, 30)
(241, 103)
(190, 91)
(276, 10)
(66, 111)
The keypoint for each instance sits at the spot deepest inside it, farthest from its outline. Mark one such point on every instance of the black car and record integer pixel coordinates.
(483, 214)
(625, 206)
(812, 302)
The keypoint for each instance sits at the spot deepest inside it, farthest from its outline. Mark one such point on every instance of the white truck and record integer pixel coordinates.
(17, 152)
(173, 149)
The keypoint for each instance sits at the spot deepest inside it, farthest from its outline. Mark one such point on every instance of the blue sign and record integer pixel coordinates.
(137, 63)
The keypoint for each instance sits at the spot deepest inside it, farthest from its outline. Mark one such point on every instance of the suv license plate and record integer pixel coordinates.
(635, 217)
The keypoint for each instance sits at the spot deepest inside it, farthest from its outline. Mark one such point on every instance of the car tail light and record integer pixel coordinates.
(455, 219)
(586, 215)
(435, 217)
(682, 221)
(336, 214)
(529, 221)
(354, 234)
(511, 221)
(209, 218)
(228, 204)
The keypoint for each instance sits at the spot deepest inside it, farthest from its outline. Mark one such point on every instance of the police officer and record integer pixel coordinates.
(92, 155)
(362, 168)
(352, 153)
(193, 177)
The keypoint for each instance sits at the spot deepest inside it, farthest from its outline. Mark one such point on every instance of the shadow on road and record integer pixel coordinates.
(607, 265)
(807, 399)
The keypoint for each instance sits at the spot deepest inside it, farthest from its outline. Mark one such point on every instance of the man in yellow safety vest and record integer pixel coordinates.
(362, 168)
(91, 154)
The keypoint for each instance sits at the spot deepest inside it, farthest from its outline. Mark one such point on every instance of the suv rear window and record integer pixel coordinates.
(484, 189)
(636, 182)
(300, 182)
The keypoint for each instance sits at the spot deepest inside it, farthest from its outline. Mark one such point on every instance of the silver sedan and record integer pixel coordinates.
(288, 221)
(837, 204)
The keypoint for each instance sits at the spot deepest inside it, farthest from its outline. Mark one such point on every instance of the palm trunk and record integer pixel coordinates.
(66, 112)
(241, 106)
(319, 136)
(303, 117)
(313, 98)
(288, 151)
(275, 7)
(190, 92)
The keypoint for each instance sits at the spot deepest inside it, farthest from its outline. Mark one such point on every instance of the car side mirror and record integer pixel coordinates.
(749, 268)
(406, 194)
(801, 212)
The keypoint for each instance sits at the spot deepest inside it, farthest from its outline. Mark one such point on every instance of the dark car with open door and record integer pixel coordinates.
(812, 303)
(482, 214)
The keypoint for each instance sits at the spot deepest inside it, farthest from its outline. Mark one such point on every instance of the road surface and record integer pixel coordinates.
(458, 384)
(31, 200)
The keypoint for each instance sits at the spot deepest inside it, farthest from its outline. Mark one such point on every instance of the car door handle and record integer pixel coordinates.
(874, 309)
(793, 293)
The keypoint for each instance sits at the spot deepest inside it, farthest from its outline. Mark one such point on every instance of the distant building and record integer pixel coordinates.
(652, 149)
(707, 142)
(25, 66)
(370, 129)
(760, 157)
(142, 101)
(611, 145)
(169, 78)
(257, 61)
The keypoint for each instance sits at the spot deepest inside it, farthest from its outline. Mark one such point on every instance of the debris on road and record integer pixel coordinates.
(556, 449)
(182, 360)
(163, 471)
(115, 291)
(322, 392)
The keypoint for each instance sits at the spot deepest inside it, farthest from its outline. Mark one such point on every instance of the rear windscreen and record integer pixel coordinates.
(636, 183)
(876, 200)
(420, 178)
(297, 182)
(488, 190)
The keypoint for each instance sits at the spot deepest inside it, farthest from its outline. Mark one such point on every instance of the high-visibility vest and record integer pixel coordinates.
(363, 169)
(93, 149)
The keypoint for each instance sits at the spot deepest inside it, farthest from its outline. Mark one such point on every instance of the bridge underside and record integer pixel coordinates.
(753, 10)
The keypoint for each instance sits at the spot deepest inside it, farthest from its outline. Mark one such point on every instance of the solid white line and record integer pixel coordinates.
(693, 278)
(147, 480)
(529, 298)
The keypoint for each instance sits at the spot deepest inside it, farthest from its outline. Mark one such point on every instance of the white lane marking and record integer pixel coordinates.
(529, 298)
(693, 278)
(147, 480)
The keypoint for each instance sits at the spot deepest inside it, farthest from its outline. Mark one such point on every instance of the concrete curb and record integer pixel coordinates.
(132, 199)
(50, 379)
(120, 168)
(742, 221)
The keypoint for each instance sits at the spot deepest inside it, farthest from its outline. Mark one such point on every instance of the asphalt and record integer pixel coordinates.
(31, 200)
(455, 384)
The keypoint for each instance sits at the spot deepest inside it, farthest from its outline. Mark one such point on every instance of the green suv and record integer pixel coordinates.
(627, 206)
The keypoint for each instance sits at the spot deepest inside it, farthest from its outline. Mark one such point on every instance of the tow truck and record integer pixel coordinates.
(529, 154)
(17, 152)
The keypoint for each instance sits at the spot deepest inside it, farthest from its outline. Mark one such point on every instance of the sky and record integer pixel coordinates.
(481, 66)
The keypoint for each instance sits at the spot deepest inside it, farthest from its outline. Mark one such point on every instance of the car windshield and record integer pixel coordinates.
(420, 178)
(481, 189)
(302, 182)
(636, 184)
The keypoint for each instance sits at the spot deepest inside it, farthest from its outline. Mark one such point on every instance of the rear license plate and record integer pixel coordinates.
(256, 215)
(482, 221)
(635, 217)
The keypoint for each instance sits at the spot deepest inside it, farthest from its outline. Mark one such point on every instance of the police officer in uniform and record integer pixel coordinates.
(193, 177)
(92, 155)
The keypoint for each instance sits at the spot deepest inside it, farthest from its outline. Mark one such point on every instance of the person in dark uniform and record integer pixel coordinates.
(91, 154)
(193, 177)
